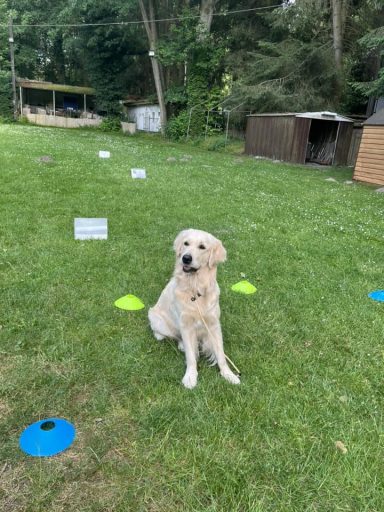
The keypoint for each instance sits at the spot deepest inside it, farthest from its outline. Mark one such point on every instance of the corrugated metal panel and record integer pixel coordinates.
(326, 116)
(300, 140)
(343, 143)
(274, 114)
(370, 160)
(285, 137)
(270, 136)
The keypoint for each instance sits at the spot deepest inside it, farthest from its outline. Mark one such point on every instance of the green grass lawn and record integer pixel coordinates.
(309, 342)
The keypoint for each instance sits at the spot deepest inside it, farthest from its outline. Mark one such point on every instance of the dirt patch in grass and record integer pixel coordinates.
(5, 408)
(14, 487)
(97, 493)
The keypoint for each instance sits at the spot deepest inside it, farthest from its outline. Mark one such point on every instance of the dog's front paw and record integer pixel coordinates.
(230, 376)
(190, 380)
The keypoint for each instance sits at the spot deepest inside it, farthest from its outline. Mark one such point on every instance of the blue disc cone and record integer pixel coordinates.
(47, 437)
(377, 295)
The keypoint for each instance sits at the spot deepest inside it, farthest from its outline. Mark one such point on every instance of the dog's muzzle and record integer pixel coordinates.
(187, 260)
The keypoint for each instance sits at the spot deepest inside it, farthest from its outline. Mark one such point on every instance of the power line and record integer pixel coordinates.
(138, 22)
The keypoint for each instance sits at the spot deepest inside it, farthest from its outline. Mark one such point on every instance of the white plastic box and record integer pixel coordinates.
(91, 229)
(138, 174)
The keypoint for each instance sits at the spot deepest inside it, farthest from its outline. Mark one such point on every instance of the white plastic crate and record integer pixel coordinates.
(138, 174)
(91, 229)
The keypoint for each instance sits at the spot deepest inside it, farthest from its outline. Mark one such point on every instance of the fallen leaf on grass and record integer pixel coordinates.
(341, 446)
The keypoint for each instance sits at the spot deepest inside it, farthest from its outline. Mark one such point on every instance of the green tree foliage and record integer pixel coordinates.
(291, 68)
(111, 58)
(6, 108)
(199, 84)
(366, 77)
(105, 57)
(373, 44)
(278, 59)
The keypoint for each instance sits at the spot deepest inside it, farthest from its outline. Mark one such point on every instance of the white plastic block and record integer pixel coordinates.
(138, 174)
(91, 229)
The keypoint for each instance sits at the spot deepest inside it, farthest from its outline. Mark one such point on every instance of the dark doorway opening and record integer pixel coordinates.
(322, 141)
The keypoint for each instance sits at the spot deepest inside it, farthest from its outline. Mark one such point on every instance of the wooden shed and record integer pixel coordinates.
(370, 159)
(319, 137)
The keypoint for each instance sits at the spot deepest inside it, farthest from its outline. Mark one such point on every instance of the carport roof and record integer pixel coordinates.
(49, 86)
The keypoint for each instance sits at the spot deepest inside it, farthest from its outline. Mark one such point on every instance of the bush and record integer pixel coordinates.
(217, 144)
(110, 124)
(177, 126)
(6, 107)
(24, 120)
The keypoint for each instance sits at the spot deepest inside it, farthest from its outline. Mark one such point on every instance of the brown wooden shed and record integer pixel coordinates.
(370, 159)
(319, 137)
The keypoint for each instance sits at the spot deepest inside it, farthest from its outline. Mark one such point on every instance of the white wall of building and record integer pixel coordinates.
(147, 117)
(61, 122)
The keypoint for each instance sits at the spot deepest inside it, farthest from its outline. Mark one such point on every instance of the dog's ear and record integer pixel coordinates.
(178, 243)
(217, 255)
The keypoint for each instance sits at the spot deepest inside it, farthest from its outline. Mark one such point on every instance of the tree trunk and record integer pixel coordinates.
(150, 28)
(337, 22)
(13, 72)
(206, 16)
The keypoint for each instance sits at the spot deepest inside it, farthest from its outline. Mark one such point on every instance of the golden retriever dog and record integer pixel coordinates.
(188, 308)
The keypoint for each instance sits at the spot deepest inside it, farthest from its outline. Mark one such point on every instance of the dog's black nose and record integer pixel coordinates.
(187, 259)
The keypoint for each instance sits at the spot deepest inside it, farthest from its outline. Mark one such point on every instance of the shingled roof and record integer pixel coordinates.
(376, 119)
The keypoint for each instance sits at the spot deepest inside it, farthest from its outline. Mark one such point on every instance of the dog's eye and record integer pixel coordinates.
(186, 243)
(202, 246)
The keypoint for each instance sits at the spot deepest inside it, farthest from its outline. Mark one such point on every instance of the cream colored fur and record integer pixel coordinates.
(189, 295)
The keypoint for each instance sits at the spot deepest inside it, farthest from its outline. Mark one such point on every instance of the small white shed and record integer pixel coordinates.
(145, 115)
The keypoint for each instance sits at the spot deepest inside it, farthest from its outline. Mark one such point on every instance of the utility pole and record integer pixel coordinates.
(150, 28)
(12, 54)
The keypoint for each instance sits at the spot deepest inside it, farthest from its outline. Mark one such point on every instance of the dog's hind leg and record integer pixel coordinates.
(159, 326)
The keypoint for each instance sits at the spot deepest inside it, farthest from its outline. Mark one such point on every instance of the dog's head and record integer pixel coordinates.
(196, 249)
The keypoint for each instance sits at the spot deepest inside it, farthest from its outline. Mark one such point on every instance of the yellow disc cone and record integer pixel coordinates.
(129, 303)
(243, 287)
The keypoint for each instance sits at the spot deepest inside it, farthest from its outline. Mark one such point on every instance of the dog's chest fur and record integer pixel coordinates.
(201, 287)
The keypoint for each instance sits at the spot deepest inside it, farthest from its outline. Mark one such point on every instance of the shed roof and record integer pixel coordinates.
(326, 116)
(49, 86)
(135, 101)
(273, 114)
(376, 119)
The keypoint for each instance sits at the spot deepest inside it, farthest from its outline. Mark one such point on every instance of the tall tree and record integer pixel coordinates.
(289, 67)
(338, 15)
(197, 53)
(206, 14)
(300, 55)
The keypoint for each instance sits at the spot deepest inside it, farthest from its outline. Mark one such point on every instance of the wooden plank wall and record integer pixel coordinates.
(354, 147)
(370, 159)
